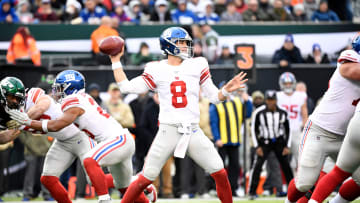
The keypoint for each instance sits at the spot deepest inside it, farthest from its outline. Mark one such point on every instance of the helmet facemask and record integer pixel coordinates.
(58, 91)
(179, 49)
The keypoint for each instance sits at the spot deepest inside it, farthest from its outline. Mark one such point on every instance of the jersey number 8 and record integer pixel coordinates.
(178, 89)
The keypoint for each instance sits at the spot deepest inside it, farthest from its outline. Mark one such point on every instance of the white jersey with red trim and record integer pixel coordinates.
(52, 113)
(178, 88)
(292, 105)
(98, 124)
(338, 103)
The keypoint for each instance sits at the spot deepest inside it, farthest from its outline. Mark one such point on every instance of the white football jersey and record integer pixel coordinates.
(292, 105)
(338, 103)
(178, 88)
(53, 112)
(98, 124)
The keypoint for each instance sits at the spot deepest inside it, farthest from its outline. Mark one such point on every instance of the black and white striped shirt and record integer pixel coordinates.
(267, 126)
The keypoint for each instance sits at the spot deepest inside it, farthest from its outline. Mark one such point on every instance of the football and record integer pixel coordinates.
(111, 45)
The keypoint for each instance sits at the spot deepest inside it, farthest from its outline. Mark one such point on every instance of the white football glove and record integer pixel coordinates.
(19, 116)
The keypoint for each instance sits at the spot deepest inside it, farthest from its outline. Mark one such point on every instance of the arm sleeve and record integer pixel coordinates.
(214, 122)
(70, 102)
(136, 85)
(211, 91)
(255, 129)
(349, 55)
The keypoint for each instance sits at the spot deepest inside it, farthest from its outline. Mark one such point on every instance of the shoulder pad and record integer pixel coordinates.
(349, 55)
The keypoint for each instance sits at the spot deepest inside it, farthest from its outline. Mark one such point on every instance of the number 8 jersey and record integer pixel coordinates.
(178, 88)
(98, 124)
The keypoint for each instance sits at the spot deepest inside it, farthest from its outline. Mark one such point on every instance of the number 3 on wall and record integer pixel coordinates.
(178, 89)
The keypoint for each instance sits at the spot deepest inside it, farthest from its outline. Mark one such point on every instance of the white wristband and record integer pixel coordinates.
(224, 92)
(44, 124)
(116, 65)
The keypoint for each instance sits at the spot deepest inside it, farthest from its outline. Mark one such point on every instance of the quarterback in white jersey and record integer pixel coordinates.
(326, 127)
(70, 142)
(294, 103)
(178, 80)
(115, 146)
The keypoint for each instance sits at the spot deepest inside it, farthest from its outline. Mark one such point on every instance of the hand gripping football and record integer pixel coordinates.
(111, 45)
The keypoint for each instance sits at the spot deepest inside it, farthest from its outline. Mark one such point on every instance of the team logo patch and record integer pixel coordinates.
(69, 77)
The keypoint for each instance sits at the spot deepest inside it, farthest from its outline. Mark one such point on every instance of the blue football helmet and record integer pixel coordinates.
(68, 82)
(287, 82)
(356, 44)
(170, 37)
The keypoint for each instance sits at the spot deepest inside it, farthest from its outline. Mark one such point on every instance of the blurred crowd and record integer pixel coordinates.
(176, 11)
(23, 50)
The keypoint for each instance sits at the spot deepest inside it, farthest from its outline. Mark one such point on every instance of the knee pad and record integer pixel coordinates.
(303, 187)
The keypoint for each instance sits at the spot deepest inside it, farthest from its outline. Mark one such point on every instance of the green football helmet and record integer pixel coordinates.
(12, 93)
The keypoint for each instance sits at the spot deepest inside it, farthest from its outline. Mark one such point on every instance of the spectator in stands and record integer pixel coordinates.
(220, 6)
(72, 12)
(301, 87)
(317, 56)
(253, 13)
(209, 16)
(231, 15)
(119, 13)
(161, 12)
(226, 57)
(265, 8)
(288, 53)
(310, 7)
(173, 4)
(198, 51)
(24, 13)
(356, 11)
(182, 15)
(92, 13)
(147, 7)
(45, 13)
(288, 6)
(22, 49)
(240, 5)
(117, 108)
(196, 6)
(135, 13)
(324, 14)
(299, 13)
(94, 91)
(103, 31)
(279, 13)
(143, 56)
(210, 43)
(196, 32)
(7, 12)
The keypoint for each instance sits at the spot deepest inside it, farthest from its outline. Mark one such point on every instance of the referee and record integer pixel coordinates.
(270, 132)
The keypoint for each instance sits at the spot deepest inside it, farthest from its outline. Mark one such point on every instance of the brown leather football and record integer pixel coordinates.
(111, 45)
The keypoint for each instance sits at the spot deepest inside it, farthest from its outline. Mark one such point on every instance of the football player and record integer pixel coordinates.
(326, 127)
(115, 146)
(348, 161)
(178, 80)
(70, 142)
(294, 102)
(12, 96)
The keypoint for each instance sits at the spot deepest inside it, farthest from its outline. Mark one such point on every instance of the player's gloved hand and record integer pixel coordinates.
(19, 116)
(12, 124)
